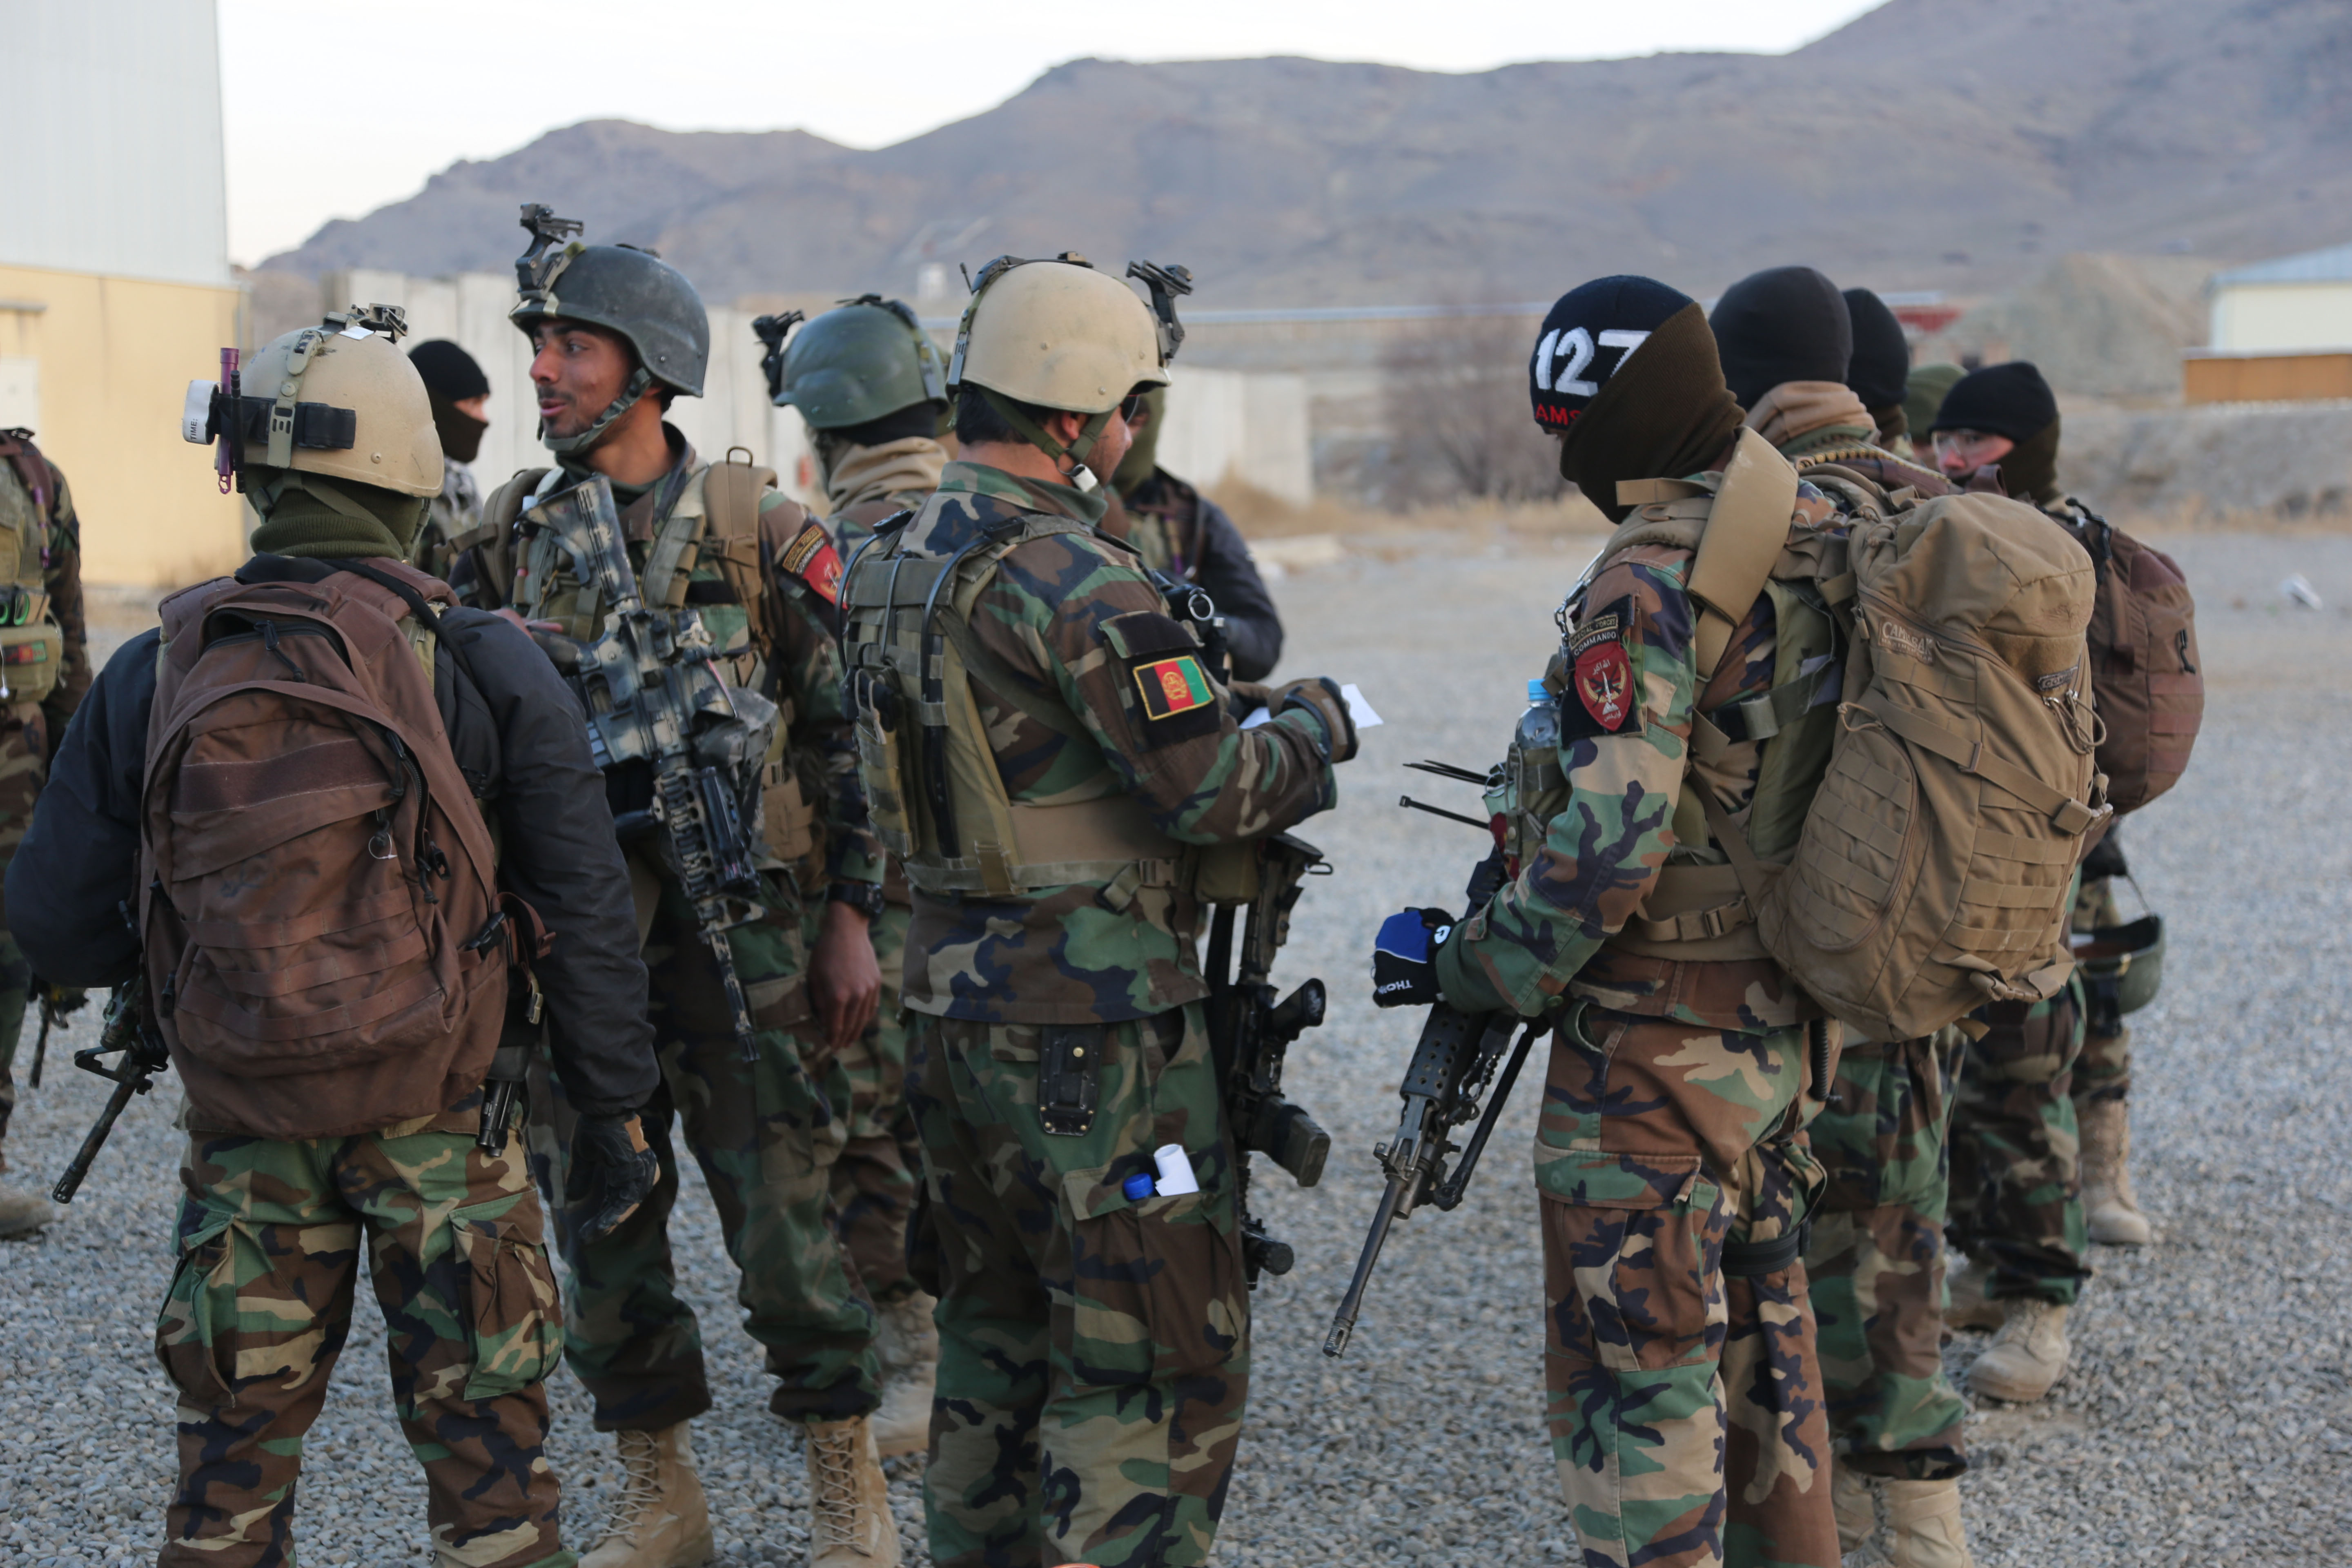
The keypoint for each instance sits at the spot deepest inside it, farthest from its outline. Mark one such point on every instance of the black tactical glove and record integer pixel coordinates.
(612, 1172)
(1405, 958)
(1246, 697)
(1321, 693)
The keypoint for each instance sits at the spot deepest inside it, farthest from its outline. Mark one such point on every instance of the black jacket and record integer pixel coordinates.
(521, 744)
(1218, 558)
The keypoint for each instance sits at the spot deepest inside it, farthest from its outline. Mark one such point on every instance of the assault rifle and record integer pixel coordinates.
(1250, 1034)
(56, 1003)
(144, 1055)
(1452, 1065)
(654, 698)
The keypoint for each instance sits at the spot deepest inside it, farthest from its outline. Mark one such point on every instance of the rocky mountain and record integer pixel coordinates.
(1957, 144)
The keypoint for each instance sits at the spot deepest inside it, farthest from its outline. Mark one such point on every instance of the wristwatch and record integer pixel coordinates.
(865, 898)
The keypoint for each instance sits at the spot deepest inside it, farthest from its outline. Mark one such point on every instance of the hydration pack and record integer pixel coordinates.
(325, 944)
(2144, 662)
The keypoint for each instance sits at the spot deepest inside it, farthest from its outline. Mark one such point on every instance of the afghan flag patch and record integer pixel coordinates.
(1173, 686)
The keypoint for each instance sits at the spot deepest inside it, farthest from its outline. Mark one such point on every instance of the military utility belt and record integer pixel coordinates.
(1754, 1260)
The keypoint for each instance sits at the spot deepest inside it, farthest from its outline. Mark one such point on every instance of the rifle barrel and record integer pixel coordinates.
(1343, 1321)
(70, 1182)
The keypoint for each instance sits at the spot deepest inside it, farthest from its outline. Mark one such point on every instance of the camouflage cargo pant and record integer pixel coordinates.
(260, 1303)
(2017, 1178)
(1876, 1258)
(874, 1180)
(765, 1135)
(2103, 1071)
(1685, 1404)
(15, 996)
(1094, 1349)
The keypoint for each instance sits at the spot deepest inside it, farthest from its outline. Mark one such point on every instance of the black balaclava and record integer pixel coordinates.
(1648, 402)
(2014, 401)
(1882, 356)
(1785, 324)
(451, 376)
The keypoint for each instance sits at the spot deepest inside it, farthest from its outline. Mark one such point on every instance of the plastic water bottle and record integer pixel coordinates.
(1539, 733)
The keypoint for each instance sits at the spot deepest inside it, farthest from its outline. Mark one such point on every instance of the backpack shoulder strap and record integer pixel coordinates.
(1745, 532)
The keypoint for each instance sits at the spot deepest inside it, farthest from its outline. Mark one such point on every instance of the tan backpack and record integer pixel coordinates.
(326, 950)
(1931, 872)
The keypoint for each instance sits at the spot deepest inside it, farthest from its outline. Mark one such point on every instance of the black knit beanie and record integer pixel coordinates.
(1882, 356)
(1591, 331)
(448, 370)
(2009, 400)
(1785, 324)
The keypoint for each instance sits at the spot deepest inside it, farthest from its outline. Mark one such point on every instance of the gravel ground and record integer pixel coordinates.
(2205, 1419)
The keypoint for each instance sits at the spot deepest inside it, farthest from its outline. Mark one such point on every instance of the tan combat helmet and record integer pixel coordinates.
(337, 400)
(1058, 334)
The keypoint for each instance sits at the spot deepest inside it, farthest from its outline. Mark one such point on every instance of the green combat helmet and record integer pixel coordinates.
(628, 291)
(852, 365)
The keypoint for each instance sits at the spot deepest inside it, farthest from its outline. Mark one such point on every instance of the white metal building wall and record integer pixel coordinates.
(111, 117)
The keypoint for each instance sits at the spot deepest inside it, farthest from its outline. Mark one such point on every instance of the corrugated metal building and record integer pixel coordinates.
(114, 278)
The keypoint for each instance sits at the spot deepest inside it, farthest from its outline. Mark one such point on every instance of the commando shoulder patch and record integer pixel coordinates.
(812, 558)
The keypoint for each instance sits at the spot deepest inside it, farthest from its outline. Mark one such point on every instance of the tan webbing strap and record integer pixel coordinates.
(1644, 492)
(731, 493)
(1744, 533)
(2067, 814)
(1750, 872)
(1719, 906)
(667, 564)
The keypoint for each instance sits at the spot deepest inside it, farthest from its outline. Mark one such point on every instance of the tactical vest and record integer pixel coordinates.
(32, 643)
(714, 521)
(933, 791)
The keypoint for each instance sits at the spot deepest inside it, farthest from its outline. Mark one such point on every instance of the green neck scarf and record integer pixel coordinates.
(304, 515)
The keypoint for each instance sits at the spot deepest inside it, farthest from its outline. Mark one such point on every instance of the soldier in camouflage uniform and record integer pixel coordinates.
(44, 671)
(617, 335)
(1186, 536)
(461, 398)
(1877, 1258)
(872, 388)
(1043, 747)
(1685, 1403)
(269, 1234)
(2017, 1145)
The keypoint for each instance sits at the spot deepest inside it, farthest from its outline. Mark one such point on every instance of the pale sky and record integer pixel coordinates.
(336, 106)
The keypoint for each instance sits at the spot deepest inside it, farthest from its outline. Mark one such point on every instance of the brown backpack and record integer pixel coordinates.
(326, 950)
(2144, 663)
(1930, 873)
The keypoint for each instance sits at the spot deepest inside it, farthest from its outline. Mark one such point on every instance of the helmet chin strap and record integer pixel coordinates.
(641, 381)
(1079, 475)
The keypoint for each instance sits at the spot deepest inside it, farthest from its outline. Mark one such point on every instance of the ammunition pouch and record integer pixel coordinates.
(31, 657)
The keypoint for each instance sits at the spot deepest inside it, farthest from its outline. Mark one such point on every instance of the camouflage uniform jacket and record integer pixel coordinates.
(1547, 932)
(1081, 953)
(798, 661)
(48, 538)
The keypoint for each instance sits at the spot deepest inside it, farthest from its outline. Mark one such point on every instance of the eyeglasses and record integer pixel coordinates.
(1132, 406)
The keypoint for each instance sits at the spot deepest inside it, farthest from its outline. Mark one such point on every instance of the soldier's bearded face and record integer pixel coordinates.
(576, 371)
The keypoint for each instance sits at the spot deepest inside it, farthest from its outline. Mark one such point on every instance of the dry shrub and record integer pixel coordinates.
(1455, 396)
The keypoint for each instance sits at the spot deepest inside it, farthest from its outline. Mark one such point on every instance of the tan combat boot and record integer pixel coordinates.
(1922, 1527)
(1972, 1308)
(661, 1521)
(22, 1213)
(906, 1343)
(1854, 1503)
(849, 1502)
(2107, 1201)
(2027, 1356)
